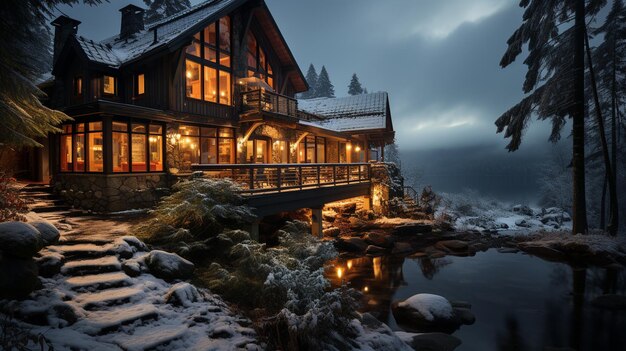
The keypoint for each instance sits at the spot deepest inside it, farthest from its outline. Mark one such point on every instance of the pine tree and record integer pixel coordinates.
(24, 57)
(160, 9)
(554, 31)
(324, 87)
(311, 79)
(355, 87)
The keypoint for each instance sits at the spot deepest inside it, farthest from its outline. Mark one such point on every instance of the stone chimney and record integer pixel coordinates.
(132, 21)
(63, 28)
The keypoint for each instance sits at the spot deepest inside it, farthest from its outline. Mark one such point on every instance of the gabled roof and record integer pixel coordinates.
(351, 113)
(167, 34)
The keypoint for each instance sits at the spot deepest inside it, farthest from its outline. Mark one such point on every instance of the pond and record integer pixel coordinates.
(520, 302)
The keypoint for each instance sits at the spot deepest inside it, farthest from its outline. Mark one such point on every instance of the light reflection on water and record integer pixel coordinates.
(521, 302)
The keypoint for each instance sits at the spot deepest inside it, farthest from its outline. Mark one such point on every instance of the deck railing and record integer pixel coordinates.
(268, 178)
(262, 100)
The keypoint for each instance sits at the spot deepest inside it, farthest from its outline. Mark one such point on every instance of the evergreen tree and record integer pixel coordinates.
(160, 9)
(311, 79)
(554, 31)
(365, 91)
(355, 87)
(392, 154)
(24, 57)
(324, 87)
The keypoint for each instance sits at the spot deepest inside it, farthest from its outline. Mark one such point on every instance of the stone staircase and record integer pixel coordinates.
(118, 312)
(43, 200)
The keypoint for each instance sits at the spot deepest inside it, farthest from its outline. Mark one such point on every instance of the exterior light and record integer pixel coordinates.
(349, 264)
(357, 148)
(366, 289)
(348, 146)
(339, 272)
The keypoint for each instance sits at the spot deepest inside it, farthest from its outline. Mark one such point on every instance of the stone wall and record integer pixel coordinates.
(111, 192)
(387, 184)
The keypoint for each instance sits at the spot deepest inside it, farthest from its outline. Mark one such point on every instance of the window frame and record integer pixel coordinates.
(104, 93)
(200, 137)
(266, 72)
(147, 134)
(205, 46)
(86, 157)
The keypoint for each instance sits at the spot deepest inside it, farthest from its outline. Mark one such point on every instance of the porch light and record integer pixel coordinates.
(339, 272)
(366, 289)
(349, 264)
(357, 148)
(348, 146)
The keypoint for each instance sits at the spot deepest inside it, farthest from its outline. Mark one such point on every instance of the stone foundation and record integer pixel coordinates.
(111, 192)
(387, 184)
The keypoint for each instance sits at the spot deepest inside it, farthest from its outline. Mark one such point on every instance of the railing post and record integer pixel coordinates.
(334, 175)
(300, 176)
(278, 177)
(319, 176)
(360, 173)
(251, 178)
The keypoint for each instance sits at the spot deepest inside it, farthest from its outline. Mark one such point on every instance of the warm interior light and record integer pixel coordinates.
(366, 289)
(349, 264)
(188, 74)
(192, 146)
(223, 93)
(348, 147)
(152, 139)
(339, 272)
(357, 148)
(97, 147)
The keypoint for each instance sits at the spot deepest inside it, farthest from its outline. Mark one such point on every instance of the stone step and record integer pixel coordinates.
(99, 281)
(82, 250)
(93, 266)
(38, 195)
(150, 337)
(106, 321)
(107, 297)
(50, 208)
(37, 189)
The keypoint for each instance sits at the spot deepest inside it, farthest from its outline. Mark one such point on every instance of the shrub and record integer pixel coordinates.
(12, 206)
(197, 209)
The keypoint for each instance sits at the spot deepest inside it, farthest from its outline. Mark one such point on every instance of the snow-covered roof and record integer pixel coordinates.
(351, 113)
(115, 51)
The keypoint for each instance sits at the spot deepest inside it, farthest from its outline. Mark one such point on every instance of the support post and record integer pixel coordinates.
(316, 222)
(367, 202)
(253, 229)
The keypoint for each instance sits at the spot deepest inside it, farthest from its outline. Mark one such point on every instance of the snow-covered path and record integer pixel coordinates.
(93, 304)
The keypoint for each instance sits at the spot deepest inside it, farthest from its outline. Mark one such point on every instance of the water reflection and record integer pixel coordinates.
(520, 302)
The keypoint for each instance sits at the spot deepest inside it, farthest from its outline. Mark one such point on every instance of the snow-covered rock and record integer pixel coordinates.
(523, 210)
(19, 239)
(18, 277)
(169, 266)
(49, 233)
(182, 294)
(430, 313)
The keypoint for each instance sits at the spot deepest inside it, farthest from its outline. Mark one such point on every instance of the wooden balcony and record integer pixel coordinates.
(261, 100)
(257, 179)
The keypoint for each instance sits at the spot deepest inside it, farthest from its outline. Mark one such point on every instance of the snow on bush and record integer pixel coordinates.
(196, 210)
(429, 306)
(12, 205)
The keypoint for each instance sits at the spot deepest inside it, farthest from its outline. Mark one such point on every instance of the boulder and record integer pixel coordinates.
(332, 232)
(378, 239)
(182, 294)
(452, 245)
(50, 264)
(544, 252)
(522, 223)
(351, 244)
(610, 302)
(412, 229)
(375, 250)
(523, 210)
(431, 313)
(329, 216)
(401, 248)
(430, 341)
(49, 233)
(169, 266)
(136, 243)
(18, 277)
(19, 239)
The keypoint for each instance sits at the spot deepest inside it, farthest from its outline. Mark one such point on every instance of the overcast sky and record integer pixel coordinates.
(437, 59)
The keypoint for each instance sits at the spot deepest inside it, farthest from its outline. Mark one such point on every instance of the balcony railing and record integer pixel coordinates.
(269, 178)
(260, 100)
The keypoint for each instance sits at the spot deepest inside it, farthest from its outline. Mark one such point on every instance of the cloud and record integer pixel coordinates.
(444, 17)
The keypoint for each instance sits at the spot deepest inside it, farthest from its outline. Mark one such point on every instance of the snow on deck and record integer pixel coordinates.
(350, 113)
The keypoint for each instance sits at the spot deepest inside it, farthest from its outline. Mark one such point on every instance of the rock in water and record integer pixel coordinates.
(169, 266)
(49, 233)
(351, 244)
(430, 313)
(18, 277)
(19, 239)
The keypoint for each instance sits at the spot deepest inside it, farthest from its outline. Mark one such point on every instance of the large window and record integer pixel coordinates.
(81, 148)
(109, 85)
(258, 64)
(208, 64)
(206, 145)
(137, 147)
(312, 150)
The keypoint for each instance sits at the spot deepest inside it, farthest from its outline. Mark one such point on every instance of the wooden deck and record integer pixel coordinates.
(273, 188)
